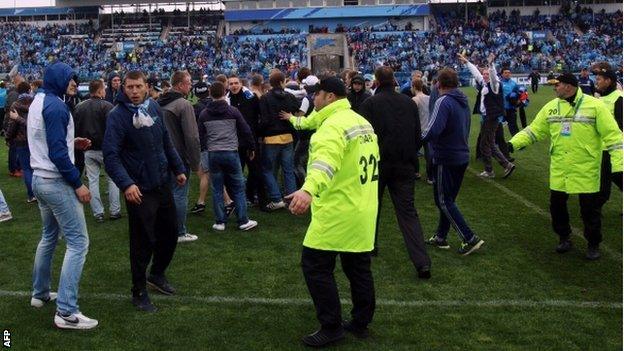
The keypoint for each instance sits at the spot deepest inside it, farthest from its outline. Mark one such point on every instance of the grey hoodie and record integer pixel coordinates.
(179, 117)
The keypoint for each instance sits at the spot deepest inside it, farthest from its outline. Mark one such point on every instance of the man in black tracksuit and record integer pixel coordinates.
(398, 130)
(535, 78)
(249, 106)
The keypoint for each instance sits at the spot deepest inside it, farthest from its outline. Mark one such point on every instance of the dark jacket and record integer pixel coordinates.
(10, 99)
(249, 106)
(271, 104)
(200, 105)
(144, 156)
(90, 116)
(448, 129)
(356, 99)
(181, 124)
(494, 104)
(223, 128)
(112, 95)
(16, 134)
(397, 128)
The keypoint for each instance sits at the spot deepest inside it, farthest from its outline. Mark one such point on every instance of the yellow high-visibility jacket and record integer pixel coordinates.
(577, 134)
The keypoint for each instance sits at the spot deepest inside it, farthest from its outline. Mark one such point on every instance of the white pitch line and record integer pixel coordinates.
(380, 302)
(575, 231)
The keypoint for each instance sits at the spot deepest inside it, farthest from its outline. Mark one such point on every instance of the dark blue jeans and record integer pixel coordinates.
(23, 155)
(13, 160)
(284, 154)
(447, 182)
(225, 168)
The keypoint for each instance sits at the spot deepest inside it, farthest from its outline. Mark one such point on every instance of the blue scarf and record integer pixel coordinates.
(140, 109)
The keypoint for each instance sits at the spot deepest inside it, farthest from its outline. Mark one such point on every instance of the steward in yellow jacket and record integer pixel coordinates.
(606, 86)
(341, 185)
(578, 126)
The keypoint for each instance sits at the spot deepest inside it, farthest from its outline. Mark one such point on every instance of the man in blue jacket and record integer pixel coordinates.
(509, 87)
(139, 157)
(60, 194)
(447, 134)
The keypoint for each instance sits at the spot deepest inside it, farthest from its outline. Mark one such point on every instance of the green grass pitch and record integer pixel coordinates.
(245, 291)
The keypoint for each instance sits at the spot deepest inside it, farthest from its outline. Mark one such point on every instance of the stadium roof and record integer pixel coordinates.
(74, 3)
(40, 11)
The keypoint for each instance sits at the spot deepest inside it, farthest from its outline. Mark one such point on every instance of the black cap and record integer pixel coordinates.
(606, 73)
(332, 85)
(357, 79)
(201, 89)
(567, 78)
(154, 83)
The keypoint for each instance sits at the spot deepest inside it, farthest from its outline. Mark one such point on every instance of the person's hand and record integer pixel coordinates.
(462, 58)
(83, 194)
(13, 114)
(133, 195)
(491, 58)
(251, 155)
(285, 116)
(82, 143)
(181, 179)
(300, 201)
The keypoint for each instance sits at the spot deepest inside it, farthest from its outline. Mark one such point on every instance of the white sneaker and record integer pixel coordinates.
(275, 205)
(250, 224)
(74, 321)
(486, 174)
(187, 237)
(38, 303)
(5, 216)
(219, 226)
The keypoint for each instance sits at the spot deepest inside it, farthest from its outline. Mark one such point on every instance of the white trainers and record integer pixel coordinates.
(250, 224)
(38, 303)
(486, 174)
(5, 216)
(219, 226)
(187, 237)
(275, 205)
(74, 321)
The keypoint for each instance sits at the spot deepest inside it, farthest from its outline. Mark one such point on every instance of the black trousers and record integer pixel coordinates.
(318, 270)
(254, 188)
(301, 159)
(153, 232)
(400, 183)
(500, 142)
(606, 179)
(523, 119)
(534, 87)
(512, 121)
(591, 205)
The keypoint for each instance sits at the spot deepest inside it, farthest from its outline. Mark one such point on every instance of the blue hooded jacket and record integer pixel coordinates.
(448, 129)
(56, 115)
(144, 156)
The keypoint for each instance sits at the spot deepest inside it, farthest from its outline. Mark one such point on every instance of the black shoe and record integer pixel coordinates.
(467, 248)
(358, 332)
(161, 284)
(509, 170)
(593, 253)
(438, 242)
(114, 216)
(198, 208)
(229, 208)
(424, 272)
(323, 337)
(143, 303)
(564, 246)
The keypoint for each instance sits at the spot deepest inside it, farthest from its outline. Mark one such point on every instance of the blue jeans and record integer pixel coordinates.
(225, 168)
(284, 154)
(180, 198)
(4, 208)
(447, 182)
(60, 211)
(23, 155)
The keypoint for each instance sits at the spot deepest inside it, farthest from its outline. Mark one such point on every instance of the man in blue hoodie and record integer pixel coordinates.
(139, 157)
(509, 87)
(60, 194)
(447, 134)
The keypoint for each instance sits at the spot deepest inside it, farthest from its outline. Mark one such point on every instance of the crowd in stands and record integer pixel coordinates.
(574, 38)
